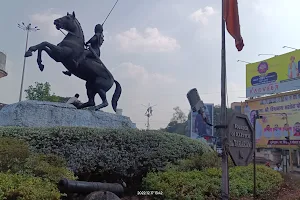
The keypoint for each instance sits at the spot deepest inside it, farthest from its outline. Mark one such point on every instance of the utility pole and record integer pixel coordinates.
(28, 28)
(223, 115)
(148, 114)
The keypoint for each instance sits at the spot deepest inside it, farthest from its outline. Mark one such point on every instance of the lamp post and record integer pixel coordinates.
(267, 54)
(289, 47)
(256, 117)
(28, 28)
(243, 61)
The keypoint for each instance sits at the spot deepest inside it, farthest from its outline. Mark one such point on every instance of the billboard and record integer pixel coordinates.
(274, 75)
(274, 126)
(199, 128)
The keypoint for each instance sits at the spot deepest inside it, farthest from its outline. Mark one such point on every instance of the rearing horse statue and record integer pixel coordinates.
(98, 78)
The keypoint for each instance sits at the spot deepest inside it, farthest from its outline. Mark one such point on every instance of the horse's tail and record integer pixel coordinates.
(116, 96)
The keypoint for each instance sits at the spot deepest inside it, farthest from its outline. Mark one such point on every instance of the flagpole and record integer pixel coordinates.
(223, 114)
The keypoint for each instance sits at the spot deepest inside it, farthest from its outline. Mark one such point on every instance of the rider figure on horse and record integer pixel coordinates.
(93, 50)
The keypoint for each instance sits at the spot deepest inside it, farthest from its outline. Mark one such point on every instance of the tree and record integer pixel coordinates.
(42, 92)
(178, 123)
(178, 116)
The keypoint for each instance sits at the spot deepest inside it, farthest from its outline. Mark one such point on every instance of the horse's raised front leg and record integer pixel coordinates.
(33, 49)
(55, 52)
(39, 57)
(40, 46)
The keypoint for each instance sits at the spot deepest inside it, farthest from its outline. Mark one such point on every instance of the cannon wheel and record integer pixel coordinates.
(101, 195)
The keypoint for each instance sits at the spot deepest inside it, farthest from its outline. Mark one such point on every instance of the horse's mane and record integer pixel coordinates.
(80, 28)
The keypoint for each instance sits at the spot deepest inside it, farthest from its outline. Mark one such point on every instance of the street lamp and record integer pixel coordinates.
(267, 54)
(28, 28)
(289, 47)
(243, 61)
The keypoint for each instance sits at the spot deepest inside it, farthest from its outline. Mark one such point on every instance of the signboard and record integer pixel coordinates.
(274, 75)
(272, 129)
(240, 139)
(199, 128)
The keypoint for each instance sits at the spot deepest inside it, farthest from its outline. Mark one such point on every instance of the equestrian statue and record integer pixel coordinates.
(82, 62)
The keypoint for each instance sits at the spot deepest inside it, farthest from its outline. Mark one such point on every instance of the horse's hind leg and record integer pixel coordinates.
(91, 93)
(102, 94)
(102, 85)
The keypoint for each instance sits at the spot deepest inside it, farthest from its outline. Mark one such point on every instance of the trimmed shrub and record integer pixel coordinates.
(199, 162)
(24, 187)
(15, 157)
(50, 167)
(13, 154)
(207, 183)
(126, 153)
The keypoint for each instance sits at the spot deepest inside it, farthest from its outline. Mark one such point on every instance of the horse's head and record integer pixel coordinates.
(67, 22)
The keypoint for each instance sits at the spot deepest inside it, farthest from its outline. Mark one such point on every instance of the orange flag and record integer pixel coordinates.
(231, 17)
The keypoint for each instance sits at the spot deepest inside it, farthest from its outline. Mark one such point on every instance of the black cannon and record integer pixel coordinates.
(85, 188)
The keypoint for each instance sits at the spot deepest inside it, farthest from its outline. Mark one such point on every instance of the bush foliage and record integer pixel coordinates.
(29, 176)
(206, 184)
(13, 154)
(50, 167)
(127, 153)
(199, 162)
(25, 187)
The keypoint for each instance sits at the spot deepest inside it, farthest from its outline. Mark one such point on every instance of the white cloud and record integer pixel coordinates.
(151, 40)
(139, 73)
(44, 21)
(202, 15)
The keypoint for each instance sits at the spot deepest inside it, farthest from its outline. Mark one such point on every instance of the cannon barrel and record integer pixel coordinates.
(83, 187)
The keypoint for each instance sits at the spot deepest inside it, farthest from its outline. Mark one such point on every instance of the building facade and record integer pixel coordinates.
(236, 107)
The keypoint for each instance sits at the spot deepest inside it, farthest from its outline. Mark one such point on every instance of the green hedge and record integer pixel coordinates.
(15, 157)
(199, 162)
(29, 176)
(125, 152)
(25, 187)
(207, 183)
(49, 167)
(13, 154)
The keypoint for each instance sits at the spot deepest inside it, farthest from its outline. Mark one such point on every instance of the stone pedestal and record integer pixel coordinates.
(50, 114)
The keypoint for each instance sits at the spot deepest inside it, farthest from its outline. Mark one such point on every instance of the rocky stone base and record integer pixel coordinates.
(50, 114)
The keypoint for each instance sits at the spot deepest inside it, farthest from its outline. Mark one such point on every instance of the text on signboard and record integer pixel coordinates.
(239, 142)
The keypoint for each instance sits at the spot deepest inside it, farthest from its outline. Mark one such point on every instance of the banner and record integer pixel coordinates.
(199, 128)
(274, 75)
(280, 117)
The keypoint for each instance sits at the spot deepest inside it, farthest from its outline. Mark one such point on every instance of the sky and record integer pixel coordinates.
(157, 50)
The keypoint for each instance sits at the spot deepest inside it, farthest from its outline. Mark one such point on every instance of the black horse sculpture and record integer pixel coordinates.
(98, 78)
